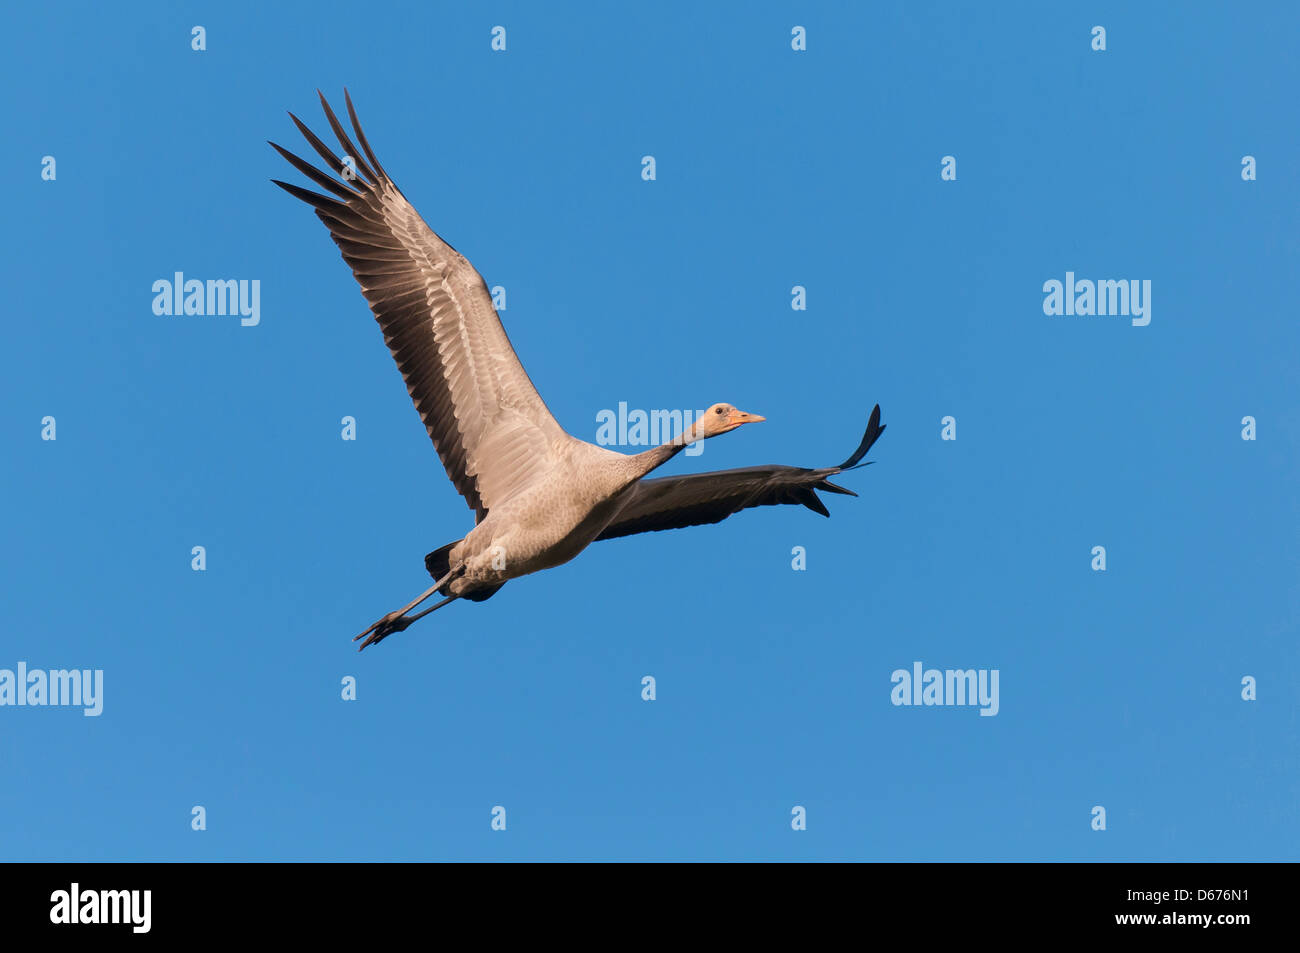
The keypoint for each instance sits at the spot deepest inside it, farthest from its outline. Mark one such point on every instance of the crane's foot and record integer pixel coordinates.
(395, 621)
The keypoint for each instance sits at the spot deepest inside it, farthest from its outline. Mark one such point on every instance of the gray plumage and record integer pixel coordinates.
(539, 495)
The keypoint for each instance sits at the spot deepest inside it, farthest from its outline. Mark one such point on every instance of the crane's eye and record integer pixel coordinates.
(718, 410)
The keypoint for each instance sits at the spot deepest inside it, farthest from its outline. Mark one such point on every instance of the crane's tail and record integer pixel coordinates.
(438, 563)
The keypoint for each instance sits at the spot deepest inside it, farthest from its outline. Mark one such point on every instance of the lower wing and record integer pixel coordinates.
(700, 498)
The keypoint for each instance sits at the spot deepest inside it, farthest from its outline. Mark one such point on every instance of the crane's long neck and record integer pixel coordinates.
(643, 463)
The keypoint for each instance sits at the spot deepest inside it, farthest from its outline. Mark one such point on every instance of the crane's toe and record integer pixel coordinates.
(395, 621)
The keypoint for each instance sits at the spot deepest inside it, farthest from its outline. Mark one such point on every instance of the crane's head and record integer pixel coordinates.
(722, 418)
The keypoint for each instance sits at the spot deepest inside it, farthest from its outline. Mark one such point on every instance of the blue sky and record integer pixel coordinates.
(775, 168)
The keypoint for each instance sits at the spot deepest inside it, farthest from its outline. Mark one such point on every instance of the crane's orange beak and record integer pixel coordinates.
(738, 417)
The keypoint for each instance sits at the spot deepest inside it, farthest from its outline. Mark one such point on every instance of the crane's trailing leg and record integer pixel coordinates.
(398, 620)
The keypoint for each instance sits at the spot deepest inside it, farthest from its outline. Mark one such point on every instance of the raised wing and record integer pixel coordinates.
(490, 427)
(674, 502)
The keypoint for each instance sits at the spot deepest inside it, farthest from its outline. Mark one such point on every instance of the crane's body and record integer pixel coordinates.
(540, 496)
(550, 521)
